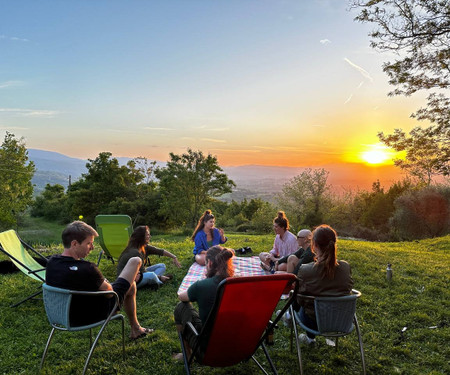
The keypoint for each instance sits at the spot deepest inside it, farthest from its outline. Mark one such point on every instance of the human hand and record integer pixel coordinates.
(176, 262)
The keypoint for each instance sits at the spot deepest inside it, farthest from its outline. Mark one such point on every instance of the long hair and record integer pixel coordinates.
(137, 238)
(324, 245)
(221, 262)
(207, 215)
(281, 220)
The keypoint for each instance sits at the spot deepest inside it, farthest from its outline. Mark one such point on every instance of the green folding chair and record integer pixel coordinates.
(114, 232)
(20, 254)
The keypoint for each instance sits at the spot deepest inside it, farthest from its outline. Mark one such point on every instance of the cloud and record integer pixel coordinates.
(363, 72)
(213, 140)
(6, 84)
(219, 129)
(14, 38)
(348, 99)
(325, 41)
(13, 128)
(31, 112)
(235, 150)
(152, 128)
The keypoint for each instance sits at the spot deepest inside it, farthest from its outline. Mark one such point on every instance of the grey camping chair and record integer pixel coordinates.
(58, 304)
(335, 317)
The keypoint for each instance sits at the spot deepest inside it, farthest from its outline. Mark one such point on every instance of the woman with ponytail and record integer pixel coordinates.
(219, 266)
(206, 235)
(284, 245)
(326, 277)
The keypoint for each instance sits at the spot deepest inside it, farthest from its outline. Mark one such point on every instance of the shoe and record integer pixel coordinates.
(286, 318)
(330, 342)
(304, 339)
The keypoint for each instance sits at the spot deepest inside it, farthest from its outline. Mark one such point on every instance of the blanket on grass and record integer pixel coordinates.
(243, 266)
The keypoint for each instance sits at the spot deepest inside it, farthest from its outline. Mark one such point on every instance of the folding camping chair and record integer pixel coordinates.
(239, 321)
(58, 303)
(335, 317)
(114, 232)
(20, 254)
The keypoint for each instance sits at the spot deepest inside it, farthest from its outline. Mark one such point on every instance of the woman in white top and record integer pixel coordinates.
(285, 244)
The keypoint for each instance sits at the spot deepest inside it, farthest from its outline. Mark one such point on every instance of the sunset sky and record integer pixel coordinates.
(269, 82)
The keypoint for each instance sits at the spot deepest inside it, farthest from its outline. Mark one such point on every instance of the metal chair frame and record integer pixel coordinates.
(335, 316)
(57, 302)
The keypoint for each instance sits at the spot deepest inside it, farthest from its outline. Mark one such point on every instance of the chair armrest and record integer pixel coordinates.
(35, 271)
(192, 328)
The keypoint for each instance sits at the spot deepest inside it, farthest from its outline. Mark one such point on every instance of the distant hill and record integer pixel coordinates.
(253, 181)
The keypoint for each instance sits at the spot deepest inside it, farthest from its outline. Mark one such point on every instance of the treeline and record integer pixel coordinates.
(175, 196)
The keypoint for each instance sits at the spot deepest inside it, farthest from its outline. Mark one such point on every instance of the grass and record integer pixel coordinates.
(417, 298)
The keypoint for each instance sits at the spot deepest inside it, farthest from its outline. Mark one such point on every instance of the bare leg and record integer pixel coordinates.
(129, 304)
(201, 258)
(282, 267)
(291, 263)
(265, 258)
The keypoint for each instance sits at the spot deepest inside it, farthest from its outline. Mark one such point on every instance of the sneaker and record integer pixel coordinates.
(286, 318)
(330, 342)
(304, 339)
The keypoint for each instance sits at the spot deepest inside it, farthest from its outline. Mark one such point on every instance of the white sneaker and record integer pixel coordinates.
(330, 342)
(304, 339)
(286, 318)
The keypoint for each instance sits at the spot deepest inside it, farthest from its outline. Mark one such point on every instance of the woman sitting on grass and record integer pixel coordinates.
(206, 235)
(138, 247)
(327, 276)
(219, 266)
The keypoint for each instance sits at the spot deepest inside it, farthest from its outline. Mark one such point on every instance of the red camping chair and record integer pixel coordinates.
(240, 320)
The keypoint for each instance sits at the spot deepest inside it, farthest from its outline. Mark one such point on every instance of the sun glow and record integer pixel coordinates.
(376, 154)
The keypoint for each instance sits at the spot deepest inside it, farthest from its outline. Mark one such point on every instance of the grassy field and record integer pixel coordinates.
(417, 298)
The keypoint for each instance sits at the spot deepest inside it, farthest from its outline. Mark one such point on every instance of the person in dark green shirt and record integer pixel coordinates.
(219, 266)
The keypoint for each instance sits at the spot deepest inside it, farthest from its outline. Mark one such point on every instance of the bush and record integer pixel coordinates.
(421, 214)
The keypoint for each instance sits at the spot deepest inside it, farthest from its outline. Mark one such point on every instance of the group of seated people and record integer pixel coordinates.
(310, 255)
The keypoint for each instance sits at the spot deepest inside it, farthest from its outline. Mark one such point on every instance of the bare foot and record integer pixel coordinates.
(141, 332)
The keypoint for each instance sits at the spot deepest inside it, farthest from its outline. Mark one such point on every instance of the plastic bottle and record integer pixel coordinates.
(389, 272)
(269, 337)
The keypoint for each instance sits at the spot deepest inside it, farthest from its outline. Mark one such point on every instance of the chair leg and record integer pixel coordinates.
(183, 350)
(123, 338)
(269, 359)
(99, 257)
(26, 299)
(259, 365)
(94, 345)
(361, 349)
(46, 347)
(297, 344)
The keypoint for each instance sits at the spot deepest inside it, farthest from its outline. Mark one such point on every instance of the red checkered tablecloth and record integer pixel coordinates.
(243, 266)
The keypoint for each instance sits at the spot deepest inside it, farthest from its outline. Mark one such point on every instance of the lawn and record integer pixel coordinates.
(417, 298)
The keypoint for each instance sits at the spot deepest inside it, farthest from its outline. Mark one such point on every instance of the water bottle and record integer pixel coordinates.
(389, 272)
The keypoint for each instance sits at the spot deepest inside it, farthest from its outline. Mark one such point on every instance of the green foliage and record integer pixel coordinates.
(187, 185)
(417, 298)
(417, 31)
(421, 214)
(427, 154)
(16, 173)
(51, 204)
(304, 197)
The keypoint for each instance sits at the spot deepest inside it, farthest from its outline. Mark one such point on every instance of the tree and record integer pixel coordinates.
(418, 31)
(187, 185)
(426, 154)
(51, 204)
(16, 173)
(104, 183)
(304, 197)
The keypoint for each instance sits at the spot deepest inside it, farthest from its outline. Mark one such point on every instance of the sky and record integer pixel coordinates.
(268, 82)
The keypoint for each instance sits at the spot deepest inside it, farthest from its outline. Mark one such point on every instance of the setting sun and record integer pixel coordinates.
(376, 154)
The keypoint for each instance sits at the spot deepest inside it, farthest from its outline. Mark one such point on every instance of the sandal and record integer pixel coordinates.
(146, 332)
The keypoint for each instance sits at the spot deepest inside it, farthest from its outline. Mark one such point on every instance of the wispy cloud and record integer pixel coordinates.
(325, 41)
(31, 112)
(219, 129)
(363, 72)
(231, 150)
(213, 140)
(13, 128)
(14, 38)
(154, 128)
(348, 99)
(7, 84)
